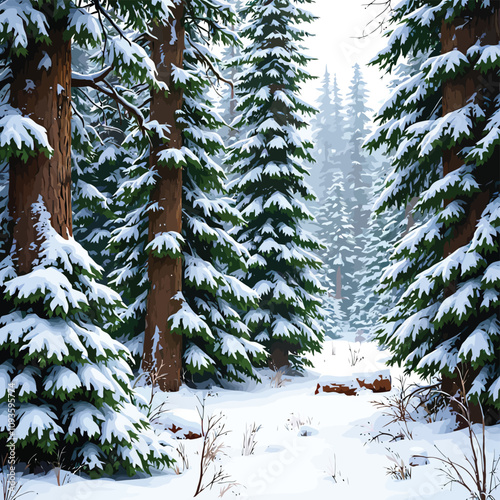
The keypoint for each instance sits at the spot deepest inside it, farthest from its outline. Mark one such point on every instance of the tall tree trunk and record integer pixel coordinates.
(410, 221)
(41, 90)
(460, 35)
(279, 355)
(338, 287)
(162, 347)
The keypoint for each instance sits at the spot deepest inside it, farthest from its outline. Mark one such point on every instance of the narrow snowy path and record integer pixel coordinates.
(286, 464)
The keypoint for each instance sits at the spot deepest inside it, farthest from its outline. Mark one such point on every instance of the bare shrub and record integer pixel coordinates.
(477, 475)
(398, 407)
(249, 442)
(213, 431)
(11, 491)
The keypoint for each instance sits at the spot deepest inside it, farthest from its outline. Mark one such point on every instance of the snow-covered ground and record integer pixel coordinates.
(308, 446)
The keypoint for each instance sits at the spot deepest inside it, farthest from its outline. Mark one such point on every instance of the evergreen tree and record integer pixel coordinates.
(231, 54)
(324, 132)
(96, 152)
(358, 179)
(216, 342)
(71, 380)
(444, 124)
(383, 231)
(331, 213)
(269, 165)
(336, 230)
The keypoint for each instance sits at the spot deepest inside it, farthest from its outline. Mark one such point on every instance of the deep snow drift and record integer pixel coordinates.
(307, 446)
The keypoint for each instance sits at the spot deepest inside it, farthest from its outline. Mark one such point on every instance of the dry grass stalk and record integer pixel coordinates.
(9, 491)
(295, 422)
(355, 356)
(277, 379)
(399, 471)
(249, 442)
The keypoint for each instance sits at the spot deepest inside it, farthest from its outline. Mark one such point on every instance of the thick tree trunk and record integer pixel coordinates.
(41, 90)
(162, 347)
(338, 287)
(461, 35)
(279, 355)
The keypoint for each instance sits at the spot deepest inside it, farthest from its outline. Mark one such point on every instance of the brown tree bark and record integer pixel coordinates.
(460, 35)
(279, 355)
(163, 348)
(41, 90)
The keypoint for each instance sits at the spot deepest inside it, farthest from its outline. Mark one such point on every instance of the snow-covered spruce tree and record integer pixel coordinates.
(337, 232)
(383, 231)
(270, 172)
(216, 342)
(72, 381)
(231, 54)
(97, 132)
(358, 179)
(329, 129)
(444, 123)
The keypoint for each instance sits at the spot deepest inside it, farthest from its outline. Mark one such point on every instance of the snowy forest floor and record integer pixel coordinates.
(309, 446)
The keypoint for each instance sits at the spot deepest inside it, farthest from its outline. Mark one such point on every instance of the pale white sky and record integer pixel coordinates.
(336, 44)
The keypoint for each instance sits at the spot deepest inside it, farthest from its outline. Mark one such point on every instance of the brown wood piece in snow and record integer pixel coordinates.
(481, 26)
(380, 384)
(174, 429)
(192, 435)
(165, 274)
(42, 92)
(189, 435)
(337, 388)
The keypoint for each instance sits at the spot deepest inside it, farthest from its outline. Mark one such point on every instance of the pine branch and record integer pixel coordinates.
(98, 82)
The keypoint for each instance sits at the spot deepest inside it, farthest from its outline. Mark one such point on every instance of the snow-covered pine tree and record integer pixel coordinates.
(216, 342)
(329, 132)
(330, 152)
(444, 123)
(230, 69)
(358, 179)
(71, 380)
(97, 132)
(325, 132)
(270, 172)
(383, 231)
(337, 232)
